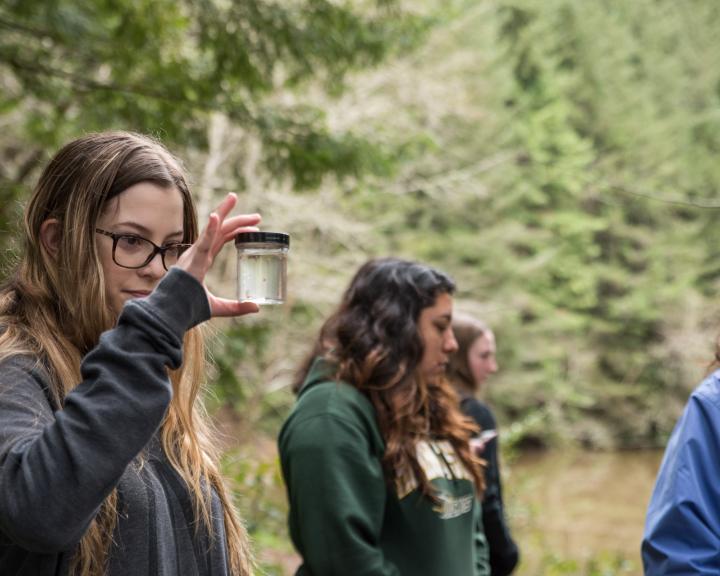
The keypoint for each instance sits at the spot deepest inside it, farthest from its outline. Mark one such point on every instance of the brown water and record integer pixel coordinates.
(578, 506)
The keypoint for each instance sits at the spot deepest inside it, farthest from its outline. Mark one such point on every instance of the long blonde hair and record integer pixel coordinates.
(43, 315)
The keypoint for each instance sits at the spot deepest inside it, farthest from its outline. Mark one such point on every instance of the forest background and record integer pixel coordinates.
(558, 158)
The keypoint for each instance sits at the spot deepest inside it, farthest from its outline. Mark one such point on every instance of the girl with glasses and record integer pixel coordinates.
(107, 462)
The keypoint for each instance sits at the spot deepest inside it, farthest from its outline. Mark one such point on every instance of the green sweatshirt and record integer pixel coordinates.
(344, 518)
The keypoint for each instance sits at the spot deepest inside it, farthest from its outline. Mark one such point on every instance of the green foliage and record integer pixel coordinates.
(311, 154)
(263, 505)
(571, 191)
(602, 565)
(162, 67)
(558, 158)
(614, 262)
(237, 345)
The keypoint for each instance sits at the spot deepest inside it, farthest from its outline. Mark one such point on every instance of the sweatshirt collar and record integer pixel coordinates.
(321, 370)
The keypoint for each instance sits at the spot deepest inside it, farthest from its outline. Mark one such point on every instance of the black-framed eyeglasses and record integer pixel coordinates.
(133, 251)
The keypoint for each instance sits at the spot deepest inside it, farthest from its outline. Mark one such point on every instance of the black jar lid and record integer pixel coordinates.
(254, 237)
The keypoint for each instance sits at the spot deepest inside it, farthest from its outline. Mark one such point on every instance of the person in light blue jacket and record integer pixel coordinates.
(682, 528)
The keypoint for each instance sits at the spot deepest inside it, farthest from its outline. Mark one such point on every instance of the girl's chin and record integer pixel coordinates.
(434, 376)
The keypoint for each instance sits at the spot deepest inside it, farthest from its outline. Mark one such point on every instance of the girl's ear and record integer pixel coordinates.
(50, 235)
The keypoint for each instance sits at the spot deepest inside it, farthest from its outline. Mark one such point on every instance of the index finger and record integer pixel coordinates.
(226, 205)
(240, 220)
(226, 307)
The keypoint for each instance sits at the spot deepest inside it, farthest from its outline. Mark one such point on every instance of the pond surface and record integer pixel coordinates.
(569, 509)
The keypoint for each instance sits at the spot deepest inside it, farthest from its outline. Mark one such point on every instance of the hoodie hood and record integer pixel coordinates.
(321, 370)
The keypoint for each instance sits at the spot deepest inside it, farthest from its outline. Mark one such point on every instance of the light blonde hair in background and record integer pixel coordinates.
(467, 329)
(53, 308)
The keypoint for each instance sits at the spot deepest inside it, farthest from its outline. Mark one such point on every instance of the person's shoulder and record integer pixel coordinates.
(477, 404)
(332, 397)
(14, 364)
(701, 413)
(708, 391)
(479, 411)
(25, 377)
(330, 413)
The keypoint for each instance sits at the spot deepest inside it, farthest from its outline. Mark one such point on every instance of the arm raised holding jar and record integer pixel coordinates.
(107, 465)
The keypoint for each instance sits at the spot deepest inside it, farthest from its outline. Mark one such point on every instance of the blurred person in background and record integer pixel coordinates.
(474, 361)
(682, 526)
(375, 454)
(107, 461)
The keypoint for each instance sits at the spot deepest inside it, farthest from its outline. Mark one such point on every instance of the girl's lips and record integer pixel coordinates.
(137, 293)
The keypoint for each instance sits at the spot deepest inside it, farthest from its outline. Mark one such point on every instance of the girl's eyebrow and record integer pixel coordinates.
(145, 231)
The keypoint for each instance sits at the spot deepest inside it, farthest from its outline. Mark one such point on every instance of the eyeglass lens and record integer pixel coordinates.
(135, 252)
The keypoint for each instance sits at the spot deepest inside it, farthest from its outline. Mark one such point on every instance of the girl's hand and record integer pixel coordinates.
(198, 259)
(477, 445)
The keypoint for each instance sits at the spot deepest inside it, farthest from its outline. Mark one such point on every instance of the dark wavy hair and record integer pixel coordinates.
(374, 340)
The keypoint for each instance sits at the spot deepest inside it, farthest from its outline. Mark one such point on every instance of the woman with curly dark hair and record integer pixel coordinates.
(375, 454)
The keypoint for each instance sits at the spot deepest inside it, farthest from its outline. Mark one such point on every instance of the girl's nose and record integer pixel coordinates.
(154, 268)
(451, 344)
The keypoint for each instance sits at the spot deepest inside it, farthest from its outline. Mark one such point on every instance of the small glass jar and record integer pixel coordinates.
(262, 266)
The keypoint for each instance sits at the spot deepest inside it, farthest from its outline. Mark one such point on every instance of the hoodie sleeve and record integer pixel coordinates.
(57, 468)
(682, 528)
(504, 554)
(337, 492)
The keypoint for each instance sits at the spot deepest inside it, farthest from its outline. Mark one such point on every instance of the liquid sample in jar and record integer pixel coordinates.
(262, 267)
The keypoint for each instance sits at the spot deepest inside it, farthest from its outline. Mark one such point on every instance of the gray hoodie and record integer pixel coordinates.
(58, 464)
